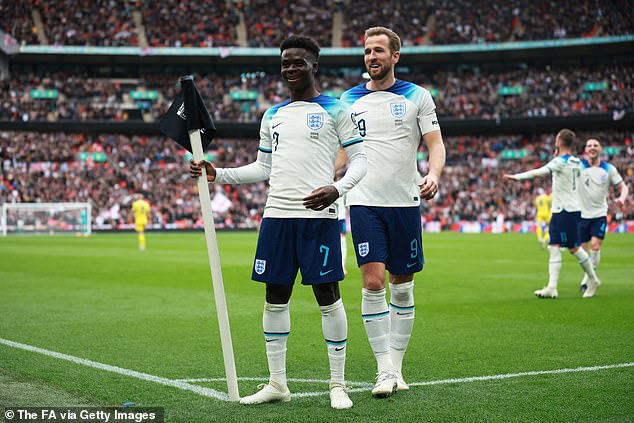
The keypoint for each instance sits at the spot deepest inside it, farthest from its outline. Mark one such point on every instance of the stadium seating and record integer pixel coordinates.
(107, 169)
(471, 93)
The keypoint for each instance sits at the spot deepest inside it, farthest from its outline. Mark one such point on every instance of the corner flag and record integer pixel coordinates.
(188, 123)
(186, 113)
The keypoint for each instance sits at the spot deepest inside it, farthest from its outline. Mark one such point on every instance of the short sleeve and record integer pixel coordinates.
(266, 140)
(346, 127)
(427, 119)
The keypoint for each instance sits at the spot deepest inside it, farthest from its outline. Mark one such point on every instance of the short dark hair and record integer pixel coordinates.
(567, 137)
(301, 41)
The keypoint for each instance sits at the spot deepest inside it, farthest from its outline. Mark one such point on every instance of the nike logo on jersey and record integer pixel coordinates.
(322, 273)
(276, 125)
(360, 113)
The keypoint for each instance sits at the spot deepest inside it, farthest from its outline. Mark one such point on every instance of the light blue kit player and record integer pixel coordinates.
(565, 169)
(393, 117)
(299, 143)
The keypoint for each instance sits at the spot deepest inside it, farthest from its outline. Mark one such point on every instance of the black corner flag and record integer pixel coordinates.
(188, 112)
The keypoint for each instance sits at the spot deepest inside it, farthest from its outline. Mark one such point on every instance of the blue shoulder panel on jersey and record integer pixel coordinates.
(271, 112)
(410, 91)
(604, 165)
(355, 93)
(565, 157)
(330, 104)
(585, 164)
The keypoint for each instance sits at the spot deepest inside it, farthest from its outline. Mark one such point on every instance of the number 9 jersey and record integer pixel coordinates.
(392, 123)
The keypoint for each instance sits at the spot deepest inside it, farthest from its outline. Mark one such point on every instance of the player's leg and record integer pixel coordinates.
(334, 325)
(597, 232)
(405, 259)
(554, 259)
(319, 256)
(140, 229)
(539, 230)
(275, 264)
(369, 235)
(584, 238)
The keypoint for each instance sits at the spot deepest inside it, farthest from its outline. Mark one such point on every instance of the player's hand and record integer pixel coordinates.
(620, 203)
(428, 187)
(508, 176)
(196, 169)
(321, 198)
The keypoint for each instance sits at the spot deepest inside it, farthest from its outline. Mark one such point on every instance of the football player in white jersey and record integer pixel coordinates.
(597, 177)
(393, 116)
(563, 230)
(299, 142)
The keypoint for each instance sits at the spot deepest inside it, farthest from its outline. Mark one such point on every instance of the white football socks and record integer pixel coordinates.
(554, 266)
(376, 319)
(334, 325)
(276, 322)
(401, 320)
(586, 263)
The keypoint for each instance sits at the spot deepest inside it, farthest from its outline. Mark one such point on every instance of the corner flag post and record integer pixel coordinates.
(191, 105)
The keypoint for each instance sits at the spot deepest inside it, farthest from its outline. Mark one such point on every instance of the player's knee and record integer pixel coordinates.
(278, 294)
(327, 293)
(373, 282)
(595, 245)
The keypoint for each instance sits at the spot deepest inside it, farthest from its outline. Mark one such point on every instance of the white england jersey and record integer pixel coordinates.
(594, 188)
(565, 172)
(304, 138)
(391, 123)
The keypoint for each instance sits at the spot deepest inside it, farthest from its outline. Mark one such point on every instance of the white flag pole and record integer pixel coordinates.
(216, 272)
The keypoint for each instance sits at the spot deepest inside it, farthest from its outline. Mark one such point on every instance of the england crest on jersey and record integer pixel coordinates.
(260, 266)
(364, 248)
(315, 121)
(398, 109)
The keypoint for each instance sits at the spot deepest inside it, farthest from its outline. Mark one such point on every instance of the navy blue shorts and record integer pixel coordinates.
(563, 229)
(343, 228)
(390, 235)
(592, 227)
(288, 245)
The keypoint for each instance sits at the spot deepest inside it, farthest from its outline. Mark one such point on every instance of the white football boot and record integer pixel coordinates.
(269, 392)
(385, 384)
(546, 292)
(593, 285)
(401, 385)
(339, 398)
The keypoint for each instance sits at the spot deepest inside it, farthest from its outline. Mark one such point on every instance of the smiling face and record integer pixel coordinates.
(593, 149)
(298, 69)
(379, 59)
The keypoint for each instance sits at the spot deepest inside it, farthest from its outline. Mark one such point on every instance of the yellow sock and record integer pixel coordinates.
(141, 241)
(540, 232)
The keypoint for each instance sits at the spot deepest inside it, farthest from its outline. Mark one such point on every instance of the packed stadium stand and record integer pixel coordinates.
(80, 125)
(264, 23)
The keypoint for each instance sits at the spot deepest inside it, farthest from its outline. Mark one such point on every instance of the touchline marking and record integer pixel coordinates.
(206, 392)
(185, 384)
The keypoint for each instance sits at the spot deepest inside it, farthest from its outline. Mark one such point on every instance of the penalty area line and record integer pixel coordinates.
(186, 384)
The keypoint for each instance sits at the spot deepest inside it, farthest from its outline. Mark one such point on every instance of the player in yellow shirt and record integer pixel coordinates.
(141, 210)
(543, 215)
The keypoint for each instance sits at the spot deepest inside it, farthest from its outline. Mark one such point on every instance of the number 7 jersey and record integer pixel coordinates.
(392, 123)
(304, 138)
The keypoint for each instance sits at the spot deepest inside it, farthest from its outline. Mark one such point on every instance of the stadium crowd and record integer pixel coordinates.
(48, 167)
(473, 93)
(218, 22)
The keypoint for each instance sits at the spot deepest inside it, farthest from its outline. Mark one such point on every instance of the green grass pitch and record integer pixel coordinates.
(101, 299)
